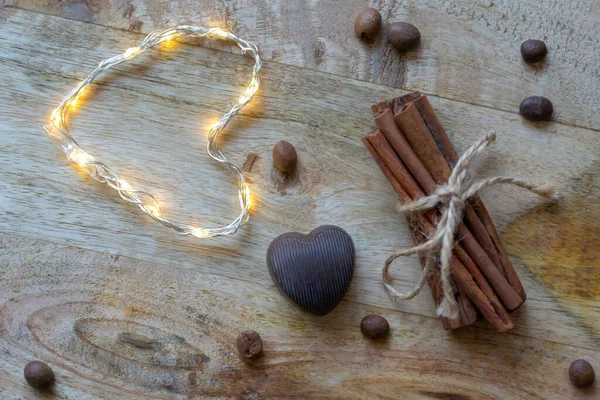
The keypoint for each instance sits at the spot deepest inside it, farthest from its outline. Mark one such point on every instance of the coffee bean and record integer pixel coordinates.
(536, 108)
(249, 344)
(582, 373)
(367, 24)
(403, 36)
(374, 326)
(533, 50)
(38, 375)
(284, 156)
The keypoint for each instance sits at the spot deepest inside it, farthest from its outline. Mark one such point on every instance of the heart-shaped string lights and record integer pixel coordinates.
(59, 132)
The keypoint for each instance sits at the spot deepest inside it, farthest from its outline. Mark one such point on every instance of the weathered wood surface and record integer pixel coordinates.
(469, 52)
(123, 308)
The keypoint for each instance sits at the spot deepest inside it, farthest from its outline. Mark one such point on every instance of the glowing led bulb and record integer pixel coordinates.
(131, 52)
(124, 185)
(246, 96)
(249, 91)
(79, 156)
(56, 119)
(153, 209)
(253, 83)
(75, 99)
(218, 32)
(168, 41)
(200, 233)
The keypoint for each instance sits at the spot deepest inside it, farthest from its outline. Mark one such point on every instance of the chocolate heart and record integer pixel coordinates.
(314, 270)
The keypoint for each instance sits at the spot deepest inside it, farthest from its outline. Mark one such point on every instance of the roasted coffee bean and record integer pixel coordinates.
(536, 108)
(38, 375)
(249, 344)
(284, 156)
(367, 24)
(533, 50)
(374, 326)
(403, 36)
(582, 373)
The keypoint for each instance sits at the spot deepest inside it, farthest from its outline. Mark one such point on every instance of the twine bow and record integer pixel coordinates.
(452, 197)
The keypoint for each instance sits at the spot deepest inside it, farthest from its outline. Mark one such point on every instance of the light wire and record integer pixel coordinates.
(59, 133)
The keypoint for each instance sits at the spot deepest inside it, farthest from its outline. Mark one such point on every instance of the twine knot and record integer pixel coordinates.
(448, 194)
(452, 198)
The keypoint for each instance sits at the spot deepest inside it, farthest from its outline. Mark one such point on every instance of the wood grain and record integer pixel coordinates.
(486, 69)
(123, 308)
(116, 327)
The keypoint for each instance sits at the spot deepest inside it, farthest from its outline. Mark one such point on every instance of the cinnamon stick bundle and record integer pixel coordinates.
(467, 311)
(415, 154)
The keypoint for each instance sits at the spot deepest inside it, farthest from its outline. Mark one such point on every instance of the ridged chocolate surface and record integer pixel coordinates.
(314, 270)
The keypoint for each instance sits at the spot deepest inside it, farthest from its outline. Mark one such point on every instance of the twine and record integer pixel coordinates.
(452, 197)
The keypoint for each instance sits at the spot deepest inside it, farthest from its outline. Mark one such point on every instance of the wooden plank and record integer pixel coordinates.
(470, 50)
(117, 327)
(147, 121)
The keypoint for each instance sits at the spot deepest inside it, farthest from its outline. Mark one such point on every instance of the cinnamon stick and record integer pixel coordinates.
(386, 124)
(449, 152)
(420, 174)
(485, 300)
(471, 313)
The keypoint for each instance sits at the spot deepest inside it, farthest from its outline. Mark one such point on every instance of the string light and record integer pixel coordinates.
(132, 52)
(200, 233)
(169, 37)
(79, 156)
(218, 33)
(152, 209)
(59, 133)
(124, 185)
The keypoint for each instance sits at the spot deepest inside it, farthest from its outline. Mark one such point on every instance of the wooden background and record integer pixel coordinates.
(122, 308)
